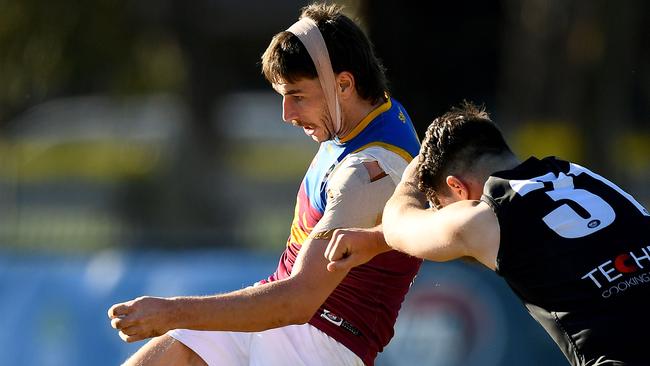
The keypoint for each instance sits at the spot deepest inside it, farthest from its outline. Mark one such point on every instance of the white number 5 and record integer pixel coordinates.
(564, 220)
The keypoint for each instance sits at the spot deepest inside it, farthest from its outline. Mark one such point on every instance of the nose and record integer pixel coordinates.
(288, 110)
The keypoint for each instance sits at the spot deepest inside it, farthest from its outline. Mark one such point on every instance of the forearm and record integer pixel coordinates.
(293, 300)
(251, 309)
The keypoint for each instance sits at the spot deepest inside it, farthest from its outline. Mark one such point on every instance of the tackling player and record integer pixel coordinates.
(574, 247)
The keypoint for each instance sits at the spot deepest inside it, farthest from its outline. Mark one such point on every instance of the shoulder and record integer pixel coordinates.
(352, 166)
(357, 191)
(479, 230)
(466, 228)
(347, 176)
(362, 176)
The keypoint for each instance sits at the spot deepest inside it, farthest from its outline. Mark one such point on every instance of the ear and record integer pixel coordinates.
(458, 187)
(345, 84)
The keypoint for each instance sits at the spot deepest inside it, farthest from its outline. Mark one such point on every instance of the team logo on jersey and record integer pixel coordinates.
(401, 116)
(593, 223)
(608, 275)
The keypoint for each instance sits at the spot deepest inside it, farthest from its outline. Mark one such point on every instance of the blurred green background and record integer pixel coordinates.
(146, 125)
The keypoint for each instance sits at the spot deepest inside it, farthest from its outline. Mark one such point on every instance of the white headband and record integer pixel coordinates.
(307, 32)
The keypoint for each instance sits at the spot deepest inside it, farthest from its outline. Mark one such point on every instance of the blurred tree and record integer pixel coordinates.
(71, 47)
(578, 63)
(198, 50)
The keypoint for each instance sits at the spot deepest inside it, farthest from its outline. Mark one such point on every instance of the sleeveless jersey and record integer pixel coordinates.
(362, 310)
(575, 248)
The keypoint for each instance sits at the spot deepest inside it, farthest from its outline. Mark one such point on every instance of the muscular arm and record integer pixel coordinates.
(464, 228)
(290, 301)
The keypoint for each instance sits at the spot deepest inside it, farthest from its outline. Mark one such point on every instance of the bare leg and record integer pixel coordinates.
(164, 351)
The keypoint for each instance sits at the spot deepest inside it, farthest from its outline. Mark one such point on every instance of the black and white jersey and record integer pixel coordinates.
(576, 249)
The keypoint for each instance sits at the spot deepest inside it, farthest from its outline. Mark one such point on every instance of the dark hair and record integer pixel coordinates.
(286, 59)
(453, 143)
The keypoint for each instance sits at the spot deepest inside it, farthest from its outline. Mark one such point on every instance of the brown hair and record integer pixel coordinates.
(286, 59)
(453, 142)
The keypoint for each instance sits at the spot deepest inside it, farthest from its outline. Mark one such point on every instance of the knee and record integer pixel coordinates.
(187, 355)
(164, 351)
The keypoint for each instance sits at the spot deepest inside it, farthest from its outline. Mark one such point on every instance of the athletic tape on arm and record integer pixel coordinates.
(353, 200)
(307, 32)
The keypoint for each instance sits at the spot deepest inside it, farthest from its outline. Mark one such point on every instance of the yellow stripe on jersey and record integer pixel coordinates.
(399, 151)
(298, 235)
(366, 121)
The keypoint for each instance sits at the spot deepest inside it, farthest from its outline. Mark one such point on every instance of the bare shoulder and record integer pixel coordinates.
(480, 234)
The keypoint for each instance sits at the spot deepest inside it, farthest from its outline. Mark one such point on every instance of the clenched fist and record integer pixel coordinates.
(142, 318)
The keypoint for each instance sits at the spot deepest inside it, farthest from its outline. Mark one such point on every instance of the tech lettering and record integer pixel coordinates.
(624, 263)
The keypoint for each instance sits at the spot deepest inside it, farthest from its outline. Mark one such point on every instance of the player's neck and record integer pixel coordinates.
(354, 113)
(491, 164)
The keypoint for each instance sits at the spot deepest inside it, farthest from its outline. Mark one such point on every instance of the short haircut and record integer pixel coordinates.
(287, 60)
(453, 143)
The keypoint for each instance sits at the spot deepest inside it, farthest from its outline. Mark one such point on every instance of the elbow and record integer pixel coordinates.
(297, 315)
(398, 230)
(392, 237)
(301, 315)
(303, 300)
(289, 316)
(299, 320)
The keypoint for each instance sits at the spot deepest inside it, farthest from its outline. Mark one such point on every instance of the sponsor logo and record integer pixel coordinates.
(331, 317)
(338, 321)
(608, 275)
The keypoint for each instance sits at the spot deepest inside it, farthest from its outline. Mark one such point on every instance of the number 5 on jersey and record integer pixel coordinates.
(564, 220)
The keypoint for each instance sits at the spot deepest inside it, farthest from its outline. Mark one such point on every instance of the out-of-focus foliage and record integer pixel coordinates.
(147, 123)
(50, 49)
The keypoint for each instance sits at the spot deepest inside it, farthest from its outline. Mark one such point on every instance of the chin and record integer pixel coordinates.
(321, 137)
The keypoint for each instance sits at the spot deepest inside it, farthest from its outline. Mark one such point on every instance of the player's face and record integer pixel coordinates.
(303, 105)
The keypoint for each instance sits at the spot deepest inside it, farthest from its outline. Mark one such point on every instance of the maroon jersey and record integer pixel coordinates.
(362, 310)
